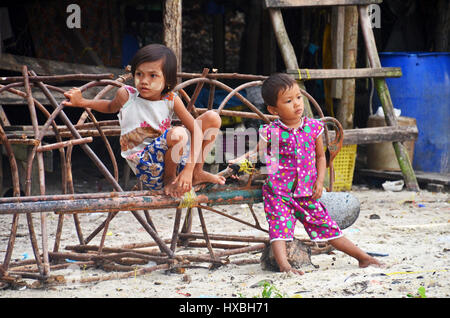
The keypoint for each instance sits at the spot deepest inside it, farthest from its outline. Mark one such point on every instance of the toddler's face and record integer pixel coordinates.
(290, 104)
(149, 80)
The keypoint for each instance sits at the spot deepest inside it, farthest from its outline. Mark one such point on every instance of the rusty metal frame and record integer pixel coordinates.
(125, 258)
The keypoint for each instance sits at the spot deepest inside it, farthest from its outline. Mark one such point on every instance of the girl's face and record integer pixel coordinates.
(149, 80)
(289, 105)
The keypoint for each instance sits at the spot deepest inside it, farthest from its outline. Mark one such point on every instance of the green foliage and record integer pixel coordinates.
(420, 293)
(269, 291)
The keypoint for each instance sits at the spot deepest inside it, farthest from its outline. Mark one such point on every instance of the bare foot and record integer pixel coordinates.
(171, 188)
(370, 261)
(203, 176)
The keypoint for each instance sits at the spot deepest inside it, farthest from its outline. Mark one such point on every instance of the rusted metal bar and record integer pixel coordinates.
(205, 233)
(256, 225)
(40, 162)
(64, 144)
(225, 237)
(176, 229)
(224, 87)
(13, 167)
(237, 89)
(75, 133)
(241, 250)
(125, 203)
(57, 78)
(197, 90)
(26, 142)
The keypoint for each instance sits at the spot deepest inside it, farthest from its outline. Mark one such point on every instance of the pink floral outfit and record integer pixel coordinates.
(291, 165)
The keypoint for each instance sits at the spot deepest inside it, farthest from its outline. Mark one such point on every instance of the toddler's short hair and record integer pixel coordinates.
(156, 52)
(273, 85)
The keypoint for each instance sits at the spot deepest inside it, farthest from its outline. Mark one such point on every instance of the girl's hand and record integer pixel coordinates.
(317, 190)
(75, 98)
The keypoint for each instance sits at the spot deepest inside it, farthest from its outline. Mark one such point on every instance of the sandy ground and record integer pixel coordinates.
(411, 231)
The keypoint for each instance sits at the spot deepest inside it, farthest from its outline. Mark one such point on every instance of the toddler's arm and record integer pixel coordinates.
(251, 155)
(320, 166)
(76, 99)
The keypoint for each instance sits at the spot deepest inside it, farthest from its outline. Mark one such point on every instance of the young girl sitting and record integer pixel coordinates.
(296, 170)
(153, 149)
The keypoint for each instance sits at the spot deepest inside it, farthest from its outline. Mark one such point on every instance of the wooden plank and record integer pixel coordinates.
(423, 177)
(315, 3)
(351, 136)
(12, 62)
(315, 74)
(378, 134)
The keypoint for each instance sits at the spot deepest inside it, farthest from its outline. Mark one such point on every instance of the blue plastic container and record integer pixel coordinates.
(423, 92)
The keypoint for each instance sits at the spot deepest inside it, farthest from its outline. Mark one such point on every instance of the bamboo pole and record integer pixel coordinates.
(386, 101)
(287, 51)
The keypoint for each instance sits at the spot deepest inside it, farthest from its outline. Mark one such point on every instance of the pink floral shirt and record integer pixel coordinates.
(291, 154)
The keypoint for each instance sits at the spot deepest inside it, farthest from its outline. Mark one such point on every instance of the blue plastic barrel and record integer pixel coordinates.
(423, 92)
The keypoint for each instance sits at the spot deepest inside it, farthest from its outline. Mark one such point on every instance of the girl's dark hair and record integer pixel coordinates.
(156, 52)
(273, 85)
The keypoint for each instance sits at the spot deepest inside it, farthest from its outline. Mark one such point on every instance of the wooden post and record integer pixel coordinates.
(337, 48)
(172, 21)
(346, 110)
(287, 51)
(386, 101)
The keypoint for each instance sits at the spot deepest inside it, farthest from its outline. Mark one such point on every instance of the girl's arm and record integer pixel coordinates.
(76, 99)
(321, 166)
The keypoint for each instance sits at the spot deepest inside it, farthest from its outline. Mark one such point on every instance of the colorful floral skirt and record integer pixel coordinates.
(150, 168)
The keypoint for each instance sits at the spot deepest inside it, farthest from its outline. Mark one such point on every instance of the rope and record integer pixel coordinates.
(189, 199)
(246, 166)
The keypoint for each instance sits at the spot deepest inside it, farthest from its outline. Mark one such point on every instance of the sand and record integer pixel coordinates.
(410, 231)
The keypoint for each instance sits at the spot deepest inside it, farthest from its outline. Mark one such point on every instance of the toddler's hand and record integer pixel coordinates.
(235, 168)
(317, 190)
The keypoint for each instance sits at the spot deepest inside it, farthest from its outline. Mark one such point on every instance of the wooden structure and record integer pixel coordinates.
(375, 71)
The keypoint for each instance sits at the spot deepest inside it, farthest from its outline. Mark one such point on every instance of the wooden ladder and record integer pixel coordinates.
(378, 73)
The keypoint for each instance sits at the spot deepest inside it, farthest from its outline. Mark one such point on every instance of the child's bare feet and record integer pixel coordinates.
(370, 261)
(172, 189)
(202, 176)
(290, 269)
